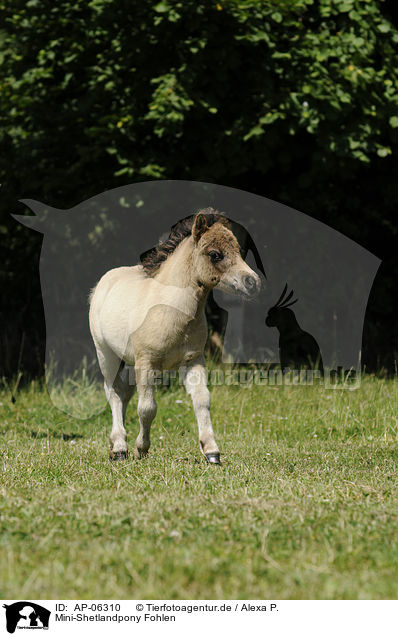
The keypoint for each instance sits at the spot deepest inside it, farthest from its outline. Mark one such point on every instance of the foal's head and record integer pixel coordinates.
(217, 259)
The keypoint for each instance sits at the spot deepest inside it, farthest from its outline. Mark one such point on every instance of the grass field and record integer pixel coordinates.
(304, 505)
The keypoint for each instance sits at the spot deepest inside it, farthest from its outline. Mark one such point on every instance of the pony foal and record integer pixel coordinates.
(152, 316)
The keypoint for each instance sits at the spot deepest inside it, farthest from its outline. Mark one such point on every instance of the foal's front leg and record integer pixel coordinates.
(196, 385)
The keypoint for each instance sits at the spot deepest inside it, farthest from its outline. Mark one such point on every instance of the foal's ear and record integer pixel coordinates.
(200, 225)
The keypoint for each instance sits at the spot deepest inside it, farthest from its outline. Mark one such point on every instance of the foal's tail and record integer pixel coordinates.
(91, 294)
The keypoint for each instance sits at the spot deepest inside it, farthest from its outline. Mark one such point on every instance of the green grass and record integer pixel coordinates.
(304, 505)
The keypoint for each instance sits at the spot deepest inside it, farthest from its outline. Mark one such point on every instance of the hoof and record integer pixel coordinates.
(213, 458)
(140, 454)
(118, 456)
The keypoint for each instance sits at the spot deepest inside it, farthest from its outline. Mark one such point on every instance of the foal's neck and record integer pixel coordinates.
(178, 271)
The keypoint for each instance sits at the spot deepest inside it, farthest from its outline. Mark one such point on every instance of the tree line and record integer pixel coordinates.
(294, 100)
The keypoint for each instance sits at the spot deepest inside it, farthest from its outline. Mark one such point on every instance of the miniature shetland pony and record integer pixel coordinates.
(152, 316)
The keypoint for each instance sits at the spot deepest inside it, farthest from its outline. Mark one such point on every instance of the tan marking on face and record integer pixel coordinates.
(220, 239)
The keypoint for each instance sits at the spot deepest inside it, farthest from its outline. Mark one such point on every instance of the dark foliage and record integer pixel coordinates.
(296, 101)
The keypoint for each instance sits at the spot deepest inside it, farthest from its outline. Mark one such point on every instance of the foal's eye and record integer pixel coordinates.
(215, 256)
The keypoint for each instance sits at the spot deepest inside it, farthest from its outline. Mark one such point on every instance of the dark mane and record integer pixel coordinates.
(154, 257)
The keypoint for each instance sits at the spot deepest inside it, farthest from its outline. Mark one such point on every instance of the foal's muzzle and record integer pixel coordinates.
(250, 284)
(246, 285)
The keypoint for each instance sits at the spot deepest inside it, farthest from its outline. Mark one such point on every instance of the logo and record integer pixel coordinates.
(26, 615)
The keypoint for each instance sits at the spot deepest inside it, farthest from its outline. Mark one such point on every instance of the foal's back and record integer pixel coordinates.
(130, 311)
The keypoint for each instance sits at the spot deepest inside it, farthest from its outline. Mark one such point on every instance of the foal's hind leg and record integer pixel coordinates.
(146, 410)
(118, 393)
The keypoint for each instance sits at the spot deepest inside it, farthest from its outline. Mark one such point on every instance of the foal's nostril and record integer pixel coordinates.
(250, 283)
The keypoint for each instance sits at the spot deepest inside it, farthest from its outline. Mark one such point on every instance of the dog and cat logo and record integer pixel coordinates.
(26, 615)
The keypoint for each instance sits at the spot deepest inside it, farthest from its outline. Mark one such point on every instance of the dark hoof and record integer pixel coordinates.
(118, 456)
(213, 458)
(140, 454)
